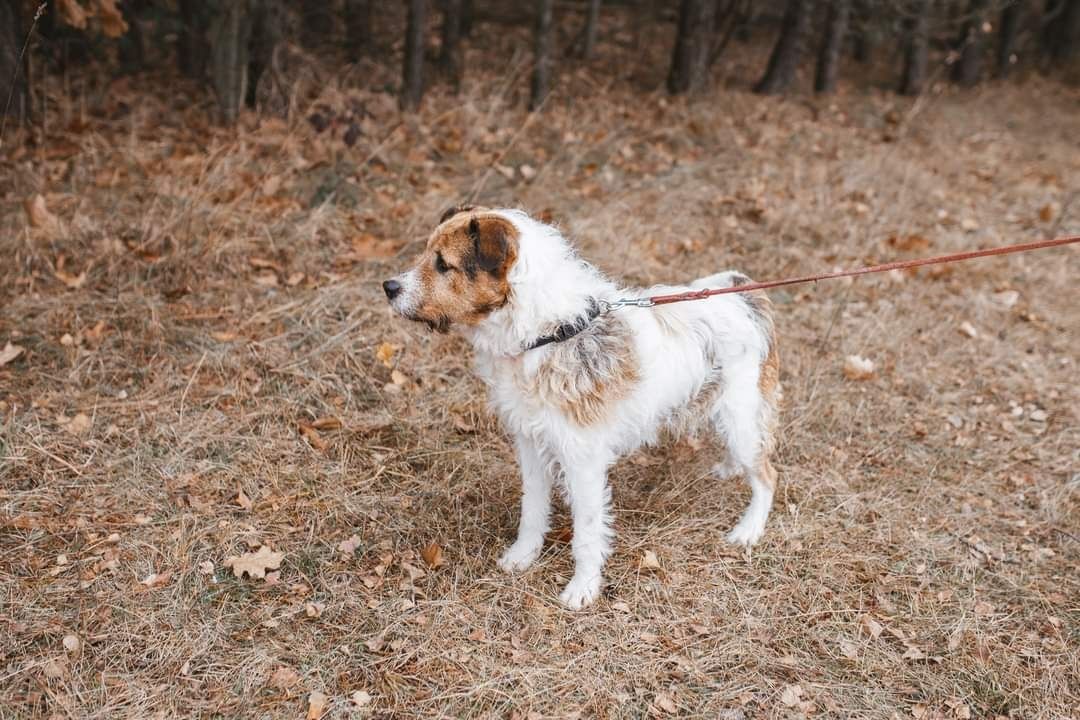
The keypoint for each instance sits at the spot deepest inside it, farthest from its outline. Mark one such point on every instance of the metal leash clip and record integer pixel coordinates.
(607, 306)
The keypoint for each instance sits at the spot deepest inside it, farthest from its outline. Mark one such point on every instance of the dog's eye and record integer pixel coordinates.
(440, 264)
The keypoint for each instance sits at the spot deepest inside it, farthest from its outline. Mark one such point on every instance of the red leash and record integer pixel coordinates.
(898, 265)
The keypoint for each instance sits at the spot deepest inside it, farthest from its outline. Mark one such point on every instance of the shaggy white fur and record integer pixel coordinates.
(703, 358)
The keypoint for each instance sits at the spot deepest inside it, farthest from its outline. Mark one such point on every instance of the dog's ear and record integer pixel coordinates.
(451, 212)
(493, 248)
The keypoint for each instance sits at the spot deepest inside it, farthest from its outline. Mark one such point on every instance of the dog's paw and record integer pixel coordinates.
(580, 592)
(727, 470)
(519, 556)
(747, 532)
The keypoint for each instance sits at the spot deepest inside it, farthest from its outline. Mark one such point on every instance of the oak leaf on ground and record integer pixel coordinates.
(9, 353)
(284, 677)
(433, 555)
(255, 564)
(317, 703)
(37, 212)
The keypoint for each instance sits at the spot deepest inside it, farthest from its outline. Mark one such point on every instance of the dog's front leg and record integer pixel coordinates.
(590, 501)
(535, 508)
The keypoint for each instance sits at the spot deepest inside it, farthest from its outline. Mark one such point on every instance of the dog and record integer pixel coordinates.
(577, 387)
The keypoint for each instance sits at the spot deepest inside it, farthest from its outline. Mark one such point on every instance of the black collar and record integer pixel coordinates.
(570, 329)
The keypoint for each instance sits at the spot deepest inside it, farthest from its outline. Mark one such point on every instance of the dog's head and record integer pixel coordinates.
(461, 276)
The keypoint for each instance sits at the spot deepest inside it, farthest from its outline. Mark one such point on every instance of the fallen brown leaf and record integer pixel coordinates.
(666, 703)
(72, 643)
(265, 264)
(791, 695)
(312, 436)
(432, 554)
(349, 545)
(255, 564)
(367, 247)
(79, 425)
(283, 678)
(9, 353)
(562, 534)
(908, 242)
(317, 703)
(870, 627)
(385, 353)
(156, 580)
(267, 279)
(37, 212)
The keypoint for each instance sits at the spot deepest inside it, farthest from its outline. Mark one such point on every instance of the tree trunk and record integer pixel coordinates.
(266, 88)
(829, 56)
(1010, 27)
(541, 78)
(968, 68)
(862, 35)
(1047, 26)
(726, 25)
(318, 23)
(693, 46)
(1068, 32)
(14, 99)
(450, 53)
(192, 49)
(230, 34)
(592, 19)
(785, 55)
(358, 18)
(412, 86)
(131, 46)
(358, 28)
(466, 18)
(916, 46)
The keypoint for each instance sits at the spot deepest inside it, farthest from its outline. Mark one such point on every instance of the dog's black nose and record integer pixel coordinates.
(391, 288)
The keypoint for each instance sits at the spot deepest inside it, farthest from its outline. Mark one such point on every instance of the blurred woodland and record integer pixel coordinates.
(249, 52)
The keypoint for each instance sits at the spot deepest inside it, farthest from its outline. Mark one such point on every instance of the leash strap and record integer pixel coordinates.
(898, 265)
(598, 307)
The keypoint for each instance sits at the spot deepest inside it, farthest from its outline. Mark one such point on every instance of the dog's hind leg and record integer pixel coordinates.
(536, 483)
(744, 415)
(729, 467)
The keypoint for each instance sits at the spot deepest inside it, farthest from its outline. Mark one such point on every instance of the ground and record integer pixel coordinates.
(208, 367)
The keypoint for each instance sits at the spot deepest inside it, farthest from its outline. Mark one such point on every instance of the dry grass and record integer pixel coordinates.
(928, 503)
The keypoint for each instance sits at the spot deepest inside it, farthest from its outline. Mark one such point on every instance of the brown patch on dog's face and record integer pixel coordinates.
(461, 277)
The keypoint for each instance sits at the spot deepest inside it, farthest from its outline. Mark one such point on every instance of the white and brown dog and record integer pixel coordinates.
(577, 387)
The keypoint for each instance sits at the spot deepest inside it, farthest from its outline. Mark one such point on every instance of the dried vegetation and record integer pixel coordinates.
(231, 485)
